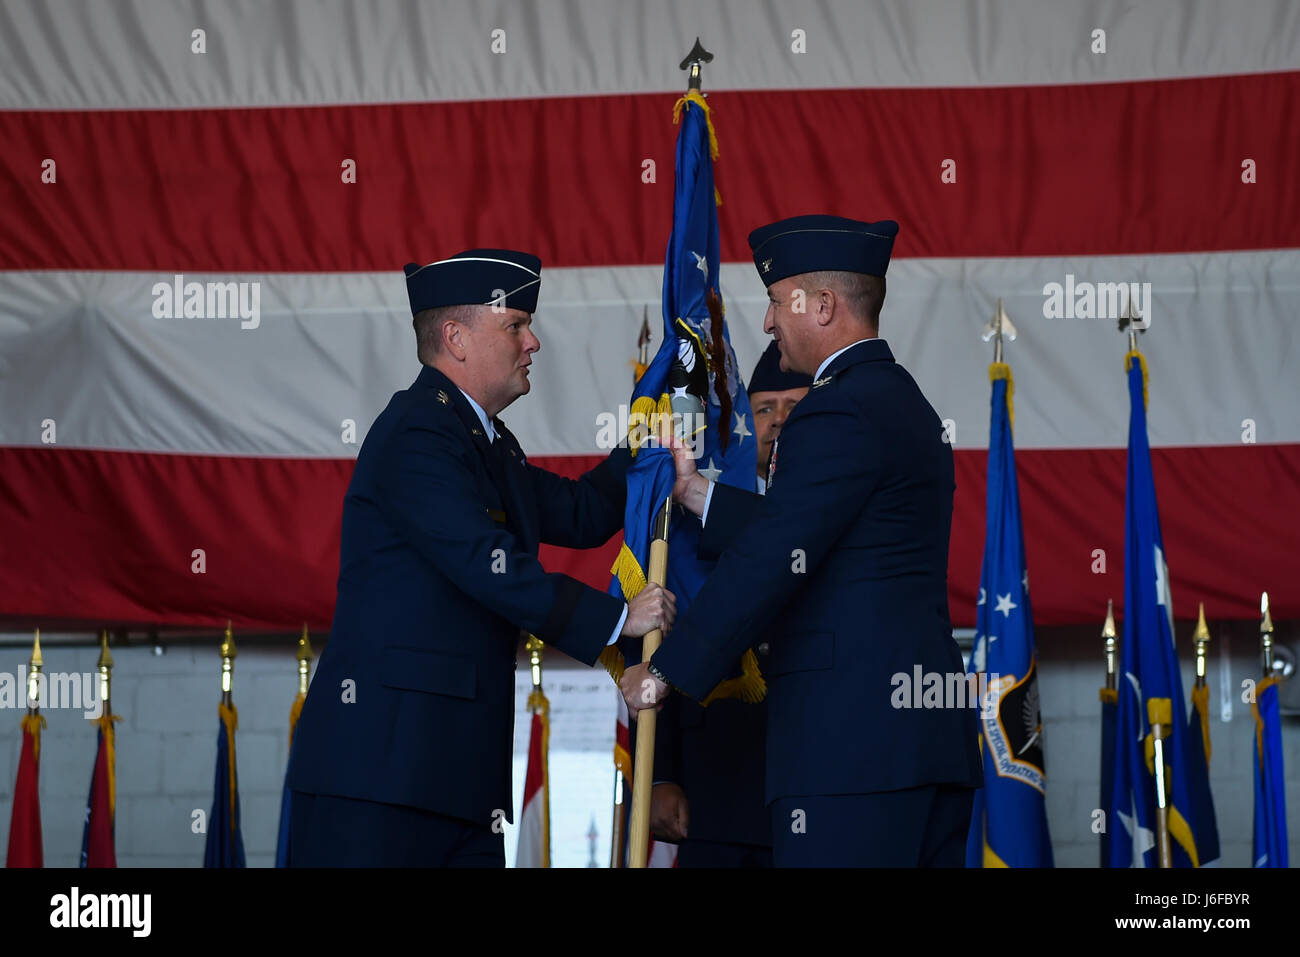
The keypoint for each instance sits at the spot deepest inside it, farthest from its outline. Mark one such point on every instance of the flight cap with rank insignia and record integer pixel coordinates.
(768, 376)
(803, 244)
(476, 277)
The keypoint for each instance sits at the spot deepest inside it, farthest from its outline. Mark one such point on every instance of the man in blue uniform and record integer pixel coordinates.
(708, 791)
(844, 564)
(402, 755)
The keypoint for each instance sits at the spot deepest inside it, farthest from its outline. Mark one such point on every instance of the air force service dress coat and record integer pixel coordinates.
(842, 567)
(413, 702)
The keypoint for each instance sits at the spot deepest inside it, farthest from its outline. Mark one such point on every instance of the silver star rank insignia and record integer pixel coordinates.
(821, 382)
(442, 397)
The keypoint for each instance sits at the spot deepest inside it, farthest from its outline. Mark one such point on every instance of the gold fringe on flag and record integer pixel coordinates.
(696, 97)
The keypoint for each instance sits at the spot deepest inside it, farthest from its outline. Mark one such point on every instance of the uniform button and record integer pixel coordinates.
(763, 648)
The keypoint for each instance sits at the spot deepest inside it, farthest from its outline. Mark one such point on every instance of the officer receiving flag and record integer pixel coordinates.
(1009, 817)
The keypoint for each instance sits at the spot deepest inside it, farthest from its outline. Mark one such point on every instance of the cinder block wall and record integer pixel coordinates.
(167, 745)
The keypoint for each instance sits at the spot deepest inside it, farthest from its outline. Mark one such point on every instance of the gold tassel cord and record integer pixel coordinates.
(106, 722)
(294, 711)
(1129, 359)
(230, 718)
(32, 724)
(1000, 370)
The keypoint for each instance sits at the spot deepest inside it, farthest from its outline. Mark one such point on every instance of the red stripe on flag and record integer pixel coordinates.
(1081, 169)
(99, 537)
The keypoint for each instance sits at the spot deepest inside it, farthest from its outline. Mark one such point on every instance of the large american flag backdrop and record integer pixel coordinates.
(179, 471)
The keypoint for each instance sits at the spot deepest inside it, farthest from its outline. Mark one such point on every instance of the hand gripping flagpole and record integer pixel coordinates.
(643, 769)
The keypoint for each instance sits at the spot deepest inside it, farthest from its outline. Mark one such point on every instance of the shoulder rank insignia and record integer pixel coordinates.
(442, 397)
(475, 431)
(821, 382)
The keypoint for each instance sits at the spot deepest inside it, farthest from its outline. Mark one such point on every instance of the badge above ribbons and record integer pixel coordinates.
(694, 379)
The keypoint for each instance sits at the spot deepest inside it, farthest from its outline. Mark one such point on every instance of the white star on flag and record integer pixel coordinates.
(1143, 841)
(1163, 595)
(1005, 604)
(741, 428)
(983, 596)
(711, 473)
(701, 263)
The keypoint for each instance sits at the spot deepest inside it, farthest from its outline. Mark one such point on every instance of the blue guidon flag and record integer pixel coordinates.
(1269, 844)
(694, 375)
(1150, 680)
(1009, 816)
(225, 844)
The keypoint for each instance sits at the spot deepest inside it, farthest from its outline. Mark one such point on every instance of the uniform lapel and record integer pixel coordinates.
(446, 392)
(520, 510)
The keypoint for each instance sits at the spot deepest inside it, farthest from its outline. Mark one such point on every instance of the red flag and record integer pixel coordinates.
(97, 840)
(535, 819)
(25, 823)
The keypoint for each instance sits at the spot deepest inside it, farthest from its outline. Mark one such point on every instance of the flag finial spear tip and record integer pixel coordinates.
(1202, 632)
(692, 63)
(1108, 628)
(1265, 626)
(105, 656)
(37, 661)
(228, 642)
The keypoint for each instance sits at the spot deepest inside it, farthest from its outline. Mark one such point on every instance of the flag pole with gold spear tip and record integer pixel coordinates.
(1200, 687)
(643, 769)
(26, 847)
